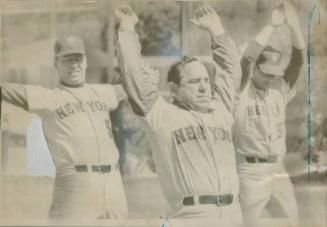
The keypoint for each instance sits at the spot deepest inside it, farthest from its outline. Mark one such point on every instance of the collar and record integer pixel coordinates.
(190, 107)
(63, 84)
(262, 93)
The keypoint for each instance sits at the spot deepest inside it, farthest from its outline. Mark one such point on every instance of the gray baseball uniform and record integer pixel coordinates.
(196, 155)
(260, 135)
(77, 129)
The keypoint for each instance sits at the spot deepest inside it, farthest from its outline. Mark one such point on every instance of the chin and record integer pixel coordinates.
(73, 83)
(204, 107)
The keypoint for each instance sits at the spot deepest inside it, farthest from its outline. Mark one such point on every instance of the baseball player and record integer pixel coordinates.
(260, 118)
(77, 129)
(195, 160)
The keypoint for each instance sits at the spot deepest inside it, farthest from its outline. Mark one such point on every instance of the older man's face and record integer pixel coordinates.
(194, 88)
(72, 69)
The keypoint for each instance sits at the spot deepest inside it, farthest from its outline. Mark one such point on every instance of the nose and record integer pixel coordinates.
(203, 86)
(74, 63)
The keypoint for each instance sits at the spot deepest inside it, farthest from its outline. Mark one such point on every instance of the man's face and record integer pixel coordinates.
(71, 69)
(194, 88)
(262, 80)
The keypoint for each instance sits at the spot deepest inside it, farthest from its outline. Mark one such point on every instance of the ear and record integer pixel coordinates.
(85, 60)
(172, 88)
(55, 62)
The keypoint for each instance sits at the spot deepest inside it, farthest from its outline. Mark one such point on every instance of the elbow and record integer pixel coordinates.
(246, 61)
(137, 109)
(298, 56)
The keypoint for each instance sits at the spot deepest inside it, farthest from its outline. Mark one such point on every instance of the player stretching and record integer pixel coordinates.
(260, 118)
(77, 128)
(195, 163)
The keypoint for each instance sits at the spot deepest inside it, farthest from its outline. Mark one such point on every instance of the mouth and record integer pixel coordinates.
(203, 96)
(74, 73)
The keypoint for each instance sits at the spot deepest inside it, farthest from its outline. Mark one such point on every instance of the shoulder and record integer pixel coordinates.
(107, 93)
(163, 112)
(99, 87)
(221, 112)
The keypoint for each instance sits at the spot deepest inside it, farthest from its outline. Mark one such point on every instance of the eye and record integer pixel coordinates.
(270, 76)
(79, 58)
(193, 81)
(67, 60)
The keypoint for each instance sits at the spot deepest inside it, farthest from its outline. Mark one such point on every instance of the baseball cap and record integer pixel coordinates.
(69, 45)
(271, 62)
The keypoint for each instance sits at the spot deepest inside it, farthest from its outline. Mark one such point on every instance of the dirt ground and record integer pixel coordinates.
(29, 198)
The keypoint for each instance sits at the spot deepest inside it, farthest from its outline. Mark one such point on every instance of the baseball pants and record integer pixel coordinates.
(266, 187)
(88, 195)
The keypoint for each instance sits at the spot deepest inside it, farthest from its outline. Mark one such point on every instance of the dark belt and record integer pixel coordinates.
(220, 200)
(96, 168)
(271, 159)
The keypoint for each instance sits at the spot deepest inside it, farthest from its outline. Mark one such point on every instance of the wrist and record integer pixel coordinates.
(263, 37)
(127, 27)
(298, 40)
(296, 29)
(217, 30)
(272, 25)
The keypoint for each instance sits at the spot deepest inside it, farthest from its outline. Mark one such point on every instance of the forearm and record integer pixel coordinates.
(293, 70)
(228, 77)
(248, 59)
(120, 92)
(257, 46)
(226, 58)
(14, 94)
(138, 79)
(297, 38)
(253, 51)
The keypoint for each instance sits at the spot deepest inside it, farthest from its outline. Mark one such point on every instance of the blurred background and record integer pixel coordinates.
(28, 32)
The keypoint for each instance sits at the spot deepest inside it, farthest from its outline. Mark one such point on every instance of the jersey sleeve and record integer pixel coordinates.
(286, 90)
(228, 71)
(40, 100)
(248, 59)
(106, 93)
(161, 113)
(293, 69)
(140, 81)
(14, 94)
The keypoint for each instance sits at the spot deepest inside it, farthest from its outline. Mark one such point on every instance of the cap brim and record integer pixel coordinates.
(272, 69)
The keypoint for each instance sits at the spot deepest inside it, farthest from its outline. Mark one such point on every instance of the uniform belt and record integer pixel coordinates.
(220, 200)
(271, 159)
(96, 168)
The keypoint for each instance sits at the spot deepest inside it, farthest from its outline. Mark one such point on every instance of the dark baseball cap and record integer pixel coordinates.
(69, 45)
(271, 61)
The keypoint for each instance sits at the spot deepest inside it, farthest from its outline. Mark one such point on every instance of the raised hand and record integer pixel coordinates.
(291, 17)
(126, 17)
(278, 16)
(206, 18)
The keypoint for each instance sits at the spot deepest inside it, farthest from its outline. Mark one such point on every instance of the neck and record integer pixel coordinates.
(72, 86)
(258, 86)
(187, 106)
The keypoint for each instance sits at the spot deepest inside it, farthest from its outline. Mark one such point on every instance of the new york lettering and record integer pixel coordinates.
(189, 133)
(79, 107)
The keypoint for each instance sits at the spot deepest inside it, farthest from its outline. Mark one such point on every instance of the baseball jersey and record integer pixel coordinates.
(260, 120)
(76, 122)
(259, 128)
(195, 154)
